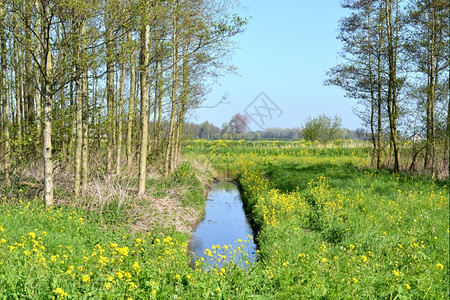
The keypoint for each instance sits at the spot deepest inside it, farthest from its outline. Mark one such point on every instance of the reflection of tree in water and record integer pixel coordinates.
(226, 186)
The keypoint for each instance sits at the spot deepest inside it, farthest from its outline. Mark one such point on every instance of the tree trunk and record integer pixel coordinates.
(110, 98)
(18, 93)
(48, 103)
(392, 87)
(168, 163)
(37, 92)
(120, 118)
(85, 112)
(131, 105)
(4, 97)
(379, 101)
(144, 60)
(182, 109)
(79, 139)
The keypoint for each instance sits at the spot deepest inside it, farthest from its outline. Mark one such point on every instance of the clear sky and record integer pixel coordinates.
(285, 51)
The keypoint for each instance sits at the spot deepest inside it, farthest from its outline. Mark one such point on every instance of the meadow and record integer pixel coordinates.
(328, 227)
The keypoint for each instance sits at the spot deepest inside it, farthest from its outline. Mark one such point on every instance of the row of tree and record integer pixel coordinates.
(396, 64)
(108, 78)
(320, 128)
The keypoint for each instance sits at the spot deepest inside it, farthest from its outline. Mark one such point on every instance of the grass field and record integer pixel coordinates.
(328, 227)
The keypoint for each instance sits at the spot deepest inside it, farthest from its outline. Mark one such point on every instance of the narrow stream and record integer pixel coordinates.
(224, 229)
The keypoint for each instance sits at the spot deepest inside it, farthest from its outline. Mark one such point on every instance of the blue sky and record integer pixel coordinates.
(285, 51)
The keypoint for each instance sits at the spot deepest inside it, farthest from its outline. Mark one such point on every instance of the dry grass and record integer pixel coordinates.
(117, 198)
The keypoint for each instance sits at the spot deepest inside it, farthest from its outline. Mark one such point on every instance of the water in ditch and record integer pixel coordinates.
(225, 235)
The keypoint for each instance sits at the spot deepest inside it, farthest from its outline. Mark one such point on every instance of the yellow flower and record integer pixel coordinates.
(407, 286)
(32, 235)
(396, 273)
(324, 259)
(86, 278)
(107, 285)
(440, 266)
(364, 258)
(60, 293)
(354, 280)
(123, 251)
(136, 266)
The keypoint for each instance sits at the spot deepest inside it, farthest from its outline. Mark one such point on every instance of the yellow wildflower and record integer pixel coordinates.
(136, 266)
(60, 293)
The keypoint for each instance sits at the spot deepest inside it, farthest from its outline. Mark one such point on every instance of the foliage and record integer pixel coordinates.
(322, 128)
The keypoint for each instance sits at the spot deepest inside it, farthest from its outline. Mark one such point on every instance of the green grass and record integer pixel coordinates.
(332, 228)
(329, 228)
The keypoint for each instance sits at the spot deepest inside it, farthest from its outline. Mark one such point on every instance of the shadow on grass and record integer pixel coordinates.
(290, 176)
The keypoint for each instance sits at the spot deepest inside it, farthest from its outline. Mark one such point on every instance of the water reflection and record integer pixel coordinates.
(224, 229)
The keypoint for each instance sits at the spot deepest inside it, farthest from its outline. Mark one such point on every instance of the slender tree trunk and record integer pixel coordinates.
(445, 153)
(155, 107)
(157, 126)
(85, 122)
(18, 93)
(372, 92)
(144, 60)
(48, 104)
(182, 109)
(379, 101)
(65, 132)
(168, 163)
(435, 71)
(392, 87)
(85, 112)
(131, 105)
(72, 119)
(37, 92)
(29, 93)
(120, 118)
(79, 140)
(4, 97)
(110, 99)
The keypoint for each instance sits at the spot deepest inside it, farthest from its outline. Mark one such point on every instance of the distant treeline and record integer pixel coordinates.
(210, 131)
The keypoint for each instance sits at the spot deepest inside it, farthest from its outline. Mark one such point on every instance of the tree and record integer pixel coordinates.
(322, 128)
(59, 62)
(362, 75)
(239, 123)
(4, 97)
(429, 57)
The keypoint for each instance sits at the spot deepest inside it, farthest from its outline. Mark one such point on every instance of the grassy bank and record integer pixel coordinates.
(330, 228)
